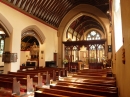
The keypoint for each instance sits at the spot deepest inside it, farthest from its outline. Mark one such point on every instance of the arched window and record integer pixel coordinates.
(92, 54)
(96, 52)
(93, 35)
(1, 44)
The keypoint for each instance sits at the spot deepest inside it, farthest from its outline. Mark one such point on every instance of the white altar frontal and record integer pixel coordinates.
(32, 63)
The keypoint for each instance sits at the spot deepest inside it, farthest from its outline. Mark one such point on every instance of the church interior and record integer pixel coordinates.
(64, 48)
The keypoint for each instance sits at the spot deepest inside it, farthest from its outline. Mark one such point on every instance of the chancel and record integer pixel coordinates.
(64, 48)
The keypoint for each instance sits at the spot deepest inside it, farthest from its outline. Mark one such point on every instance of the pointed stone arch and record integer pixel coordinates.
(79, 15)
(7, 27)
(77, 11)
(40, 36)
(84, 9)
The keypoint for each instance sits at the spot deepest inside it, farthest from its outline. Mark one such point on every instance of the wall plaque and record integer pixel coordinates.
(8, 57)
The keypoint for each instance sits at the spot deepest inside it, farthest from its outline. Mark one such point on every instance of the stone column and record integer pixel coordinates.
(12, 44)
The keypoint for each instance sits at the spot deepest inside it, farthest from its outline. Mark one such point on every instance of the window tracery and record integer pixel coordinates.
(93, 35)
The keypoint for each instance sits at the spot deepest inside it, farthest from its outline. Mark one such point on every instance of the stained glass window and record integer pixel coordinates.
(93, 35)
(1, 45)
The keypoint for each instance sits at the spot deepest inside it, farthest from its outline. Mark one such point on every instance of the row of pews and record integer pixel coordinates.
(89, 86)
(57, 82)
(22, 82)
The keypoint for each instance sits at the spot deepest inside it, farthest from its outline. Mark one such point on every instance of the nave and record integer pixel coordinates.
(58, 82)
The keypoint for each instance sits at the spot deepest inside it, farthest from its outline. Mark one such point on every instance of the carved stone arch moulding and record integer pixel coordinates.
(38, 32)
(5, 25)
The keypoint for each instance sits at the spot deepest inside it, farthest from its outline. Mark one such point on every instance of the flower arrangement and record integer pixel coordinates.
(65, 61)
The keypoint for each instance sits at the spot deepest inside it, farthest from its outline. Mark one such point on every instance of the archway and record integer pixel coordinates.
(78, 11)
(29, 42)
(32, 39)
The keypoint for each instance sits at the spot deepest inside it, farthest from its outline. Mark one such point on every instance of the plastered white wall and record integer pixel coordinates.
(121, 70)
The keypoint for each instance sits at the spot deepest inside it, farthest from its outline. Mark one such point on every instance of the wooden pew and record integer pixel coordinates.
(46, 94)
(106, 88)
(6, 88)
(8, 83)
(33, 75)
(93, 77)
(92, 74)
(9, 87)
(92, 80)
(85, 90)
(67, 93)
(63, 71)
(96, 79)
(95, 70)
(90, 83)
(101, 74)
(37, 79)
(89, 79)
(26, 67)
(23, 81)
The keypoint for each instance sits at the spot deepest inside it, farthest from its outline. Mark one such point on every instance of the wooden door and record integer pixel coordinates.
(55, 57)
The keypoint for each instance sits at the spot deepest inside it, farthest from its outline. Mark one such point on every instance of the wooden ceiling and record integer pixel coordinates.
(51, 12)
(82, 24)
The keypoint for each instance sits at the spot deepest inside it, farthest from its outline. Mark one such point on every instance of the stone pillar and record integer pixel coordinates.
(7, 66)
(12, 44)
(42, 55)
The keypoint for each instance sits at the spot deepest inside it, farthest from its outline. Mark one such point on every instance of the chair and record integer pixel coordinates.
(73, 68)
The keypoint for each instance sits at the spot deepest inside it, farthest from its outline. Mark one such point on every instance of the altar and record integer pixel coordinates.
(32, 63)
(34, 52)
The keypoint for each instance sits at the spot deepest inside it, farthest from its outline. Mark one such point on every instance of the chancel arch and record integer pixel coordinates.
(67, 20)
(32, 41)
(81, 16)
(76, 34)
